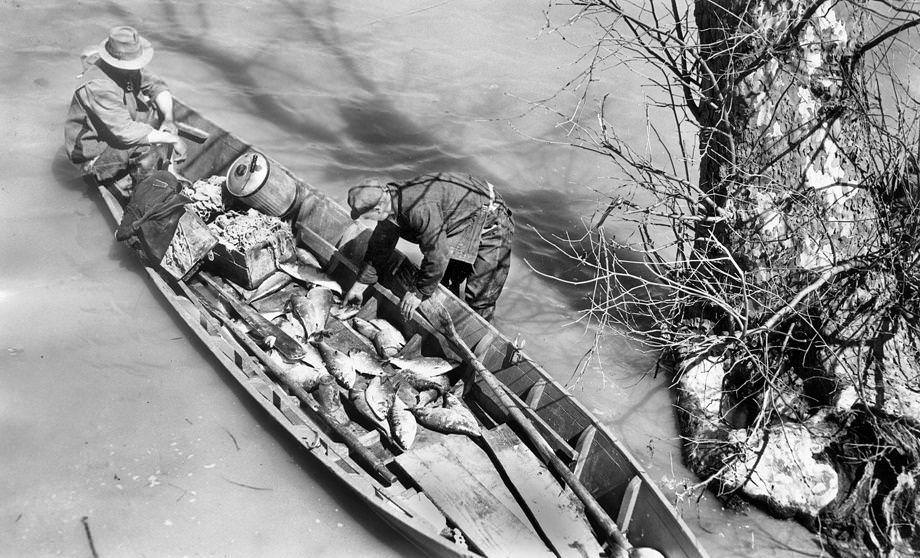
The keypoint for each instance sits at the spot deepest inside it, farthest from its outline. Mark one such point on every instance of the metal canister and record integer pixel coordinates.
(256, 182)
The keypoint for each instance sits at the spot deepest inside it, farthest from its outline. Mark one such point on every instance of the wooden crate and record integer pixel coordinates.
(189, 246)
(249, 268)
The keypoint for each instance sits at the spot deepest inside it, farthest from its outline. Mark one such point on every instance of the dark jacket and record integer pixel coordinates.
(108, 110)
(444, 214)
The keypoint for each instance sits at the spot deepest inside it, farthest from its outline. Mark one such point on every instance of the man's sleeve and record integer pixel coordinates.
(425, 219)
(151, 84)
(379, 247)
(111, 117)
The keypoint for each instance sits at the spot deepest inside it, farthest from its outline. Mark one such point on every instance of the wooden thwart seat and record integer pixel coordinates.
(628, 503)
(535, 393)
(583, 448)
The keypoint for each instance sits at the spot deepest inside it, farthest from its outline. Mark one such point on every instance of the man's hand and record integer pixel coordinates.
(408, 305)
(355, 295)
(169, 127)
(162, 136)
(179, 150)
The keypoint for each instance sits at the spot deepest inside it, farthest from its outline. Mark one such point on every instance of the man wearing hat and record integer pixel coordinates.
(121, 115)
(462, 226)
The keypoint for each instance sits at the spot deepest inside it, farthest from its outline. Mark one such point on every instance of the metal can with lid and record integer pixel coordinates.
(256, 182)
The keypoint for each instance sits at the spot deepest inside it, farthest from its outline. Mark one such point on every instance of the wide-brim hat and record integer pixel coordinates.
(125, 49)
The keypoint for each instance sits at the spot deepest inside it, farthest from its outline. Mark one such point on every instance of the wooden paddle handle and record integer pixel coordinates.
(284, 343)
(619, 544)
(197, 135)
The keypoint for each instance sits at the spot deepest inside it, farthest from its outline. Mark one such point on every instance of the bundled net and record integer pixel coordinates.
(243, 231)
(207, 196)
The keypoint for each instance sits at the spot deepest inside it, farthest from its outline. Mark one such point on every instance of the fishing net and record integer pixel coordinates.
(207, 196)
(243, 231)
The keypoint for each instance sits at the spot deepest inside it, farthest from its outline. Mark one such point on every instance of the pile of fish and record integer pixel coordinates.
(386, 388)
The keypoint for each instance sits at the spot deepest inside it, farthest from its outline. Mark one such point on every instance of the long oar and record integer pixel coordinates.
(619, 545)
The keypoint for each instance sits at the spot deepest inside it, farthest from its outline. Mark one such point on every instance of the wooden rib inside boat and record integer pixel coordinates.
(450, 494)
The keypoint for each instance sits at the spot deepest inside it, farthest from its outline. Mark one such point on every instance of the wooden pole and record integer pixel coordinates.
(283, 343)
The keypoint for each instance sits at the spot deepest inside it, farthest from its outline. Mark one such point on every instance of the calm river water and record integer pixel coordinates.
(109, 412)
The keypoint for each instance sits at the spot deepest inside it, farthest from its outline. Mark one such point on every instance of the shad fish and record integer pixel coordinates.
(296, 373)
(402, 424)
(424, 366)
(449, 420)
(389, 340)
(272, 284)
(366, 363)
(311, 275)
(312, 310)
(379, 397)
(312, 357)
(358, 399)
(330, 403)
(337, 363)
(365, 328)
(344, 313)
(278, 302)
(454, 403)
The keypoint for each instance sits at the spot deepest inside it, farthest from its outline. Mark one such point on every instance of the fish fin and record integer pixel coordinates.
(458, 389)
(412, 346)
(318, 335)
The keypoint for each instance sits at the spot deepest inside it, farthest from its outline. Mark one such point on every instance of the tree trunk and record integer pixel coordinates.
(815, 414)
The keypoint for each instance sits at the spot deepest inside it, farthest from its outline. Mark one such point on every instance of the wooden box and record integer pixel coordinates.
(189, 246)
(250, 267)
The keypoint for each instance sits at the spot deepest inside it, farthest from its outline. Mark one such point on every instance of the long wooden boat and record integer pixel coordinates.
(451, 495)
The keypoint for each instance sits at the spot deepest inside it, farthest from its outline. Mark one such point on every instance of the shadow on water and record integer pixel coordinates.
(69, 175)
(187, 36)
(377, 135)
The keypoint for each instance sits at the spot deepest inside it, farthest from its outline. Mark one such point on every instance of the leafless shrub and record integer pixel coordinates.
(738, 252)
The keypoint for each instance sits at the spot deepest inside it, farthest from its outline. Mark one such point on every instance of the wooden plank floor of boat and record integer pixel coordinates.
(557, 510)
(459, 478)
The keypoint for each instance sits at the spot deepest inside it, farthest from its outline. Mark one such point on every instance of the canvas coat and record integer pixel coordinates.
(449, 215)
(111, 111)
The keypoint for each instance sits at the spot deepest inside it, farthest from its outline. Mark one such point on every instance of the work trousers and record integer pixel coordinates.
(121, 169)
(485, 278)
(114, 163)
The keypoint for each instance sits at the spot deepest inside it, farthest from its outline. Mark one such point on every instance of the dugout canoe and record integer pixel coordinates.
(449, 494)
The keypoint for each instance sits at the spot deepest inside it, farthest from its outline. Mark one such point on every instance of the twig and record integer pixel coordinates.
(790, 306)
(244, 485)
(89, 536)
(232, 437)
